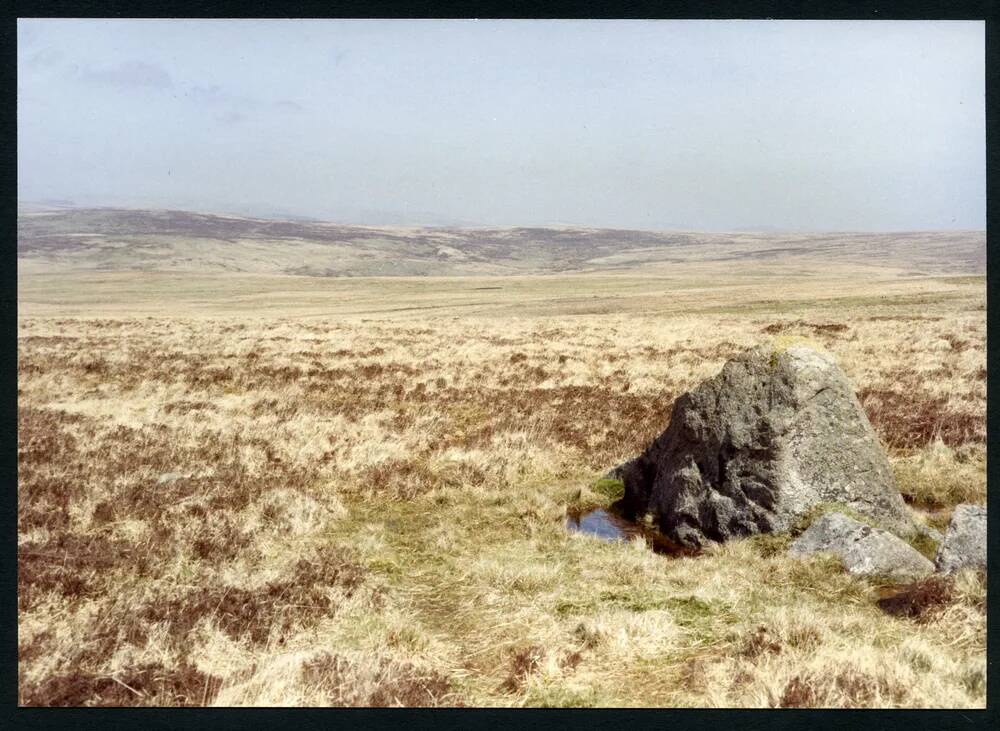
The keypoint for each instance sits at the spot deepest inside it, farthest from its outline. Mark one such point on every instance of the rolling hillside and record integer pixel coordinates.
(108, 239)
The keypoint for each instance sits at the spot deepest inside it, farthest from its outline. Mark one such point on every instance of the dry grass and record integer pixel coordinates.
(327, 506)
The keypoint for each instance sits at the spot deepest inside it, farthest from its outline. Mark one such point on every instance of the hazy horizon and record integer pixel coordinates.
(682, 125)
(59, 205)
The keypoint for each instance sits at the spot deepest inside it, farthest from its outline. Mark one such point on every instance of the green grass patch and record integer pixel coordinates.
(613, 490)
(924, 544)
(690, 610)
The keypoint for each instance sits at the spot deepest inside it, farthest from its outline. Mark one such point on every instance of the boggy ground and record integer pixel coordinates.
(257, 507)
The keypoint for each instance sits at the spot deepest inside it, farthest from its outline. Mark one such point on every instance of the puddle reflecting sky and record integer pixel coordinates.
(610, 526)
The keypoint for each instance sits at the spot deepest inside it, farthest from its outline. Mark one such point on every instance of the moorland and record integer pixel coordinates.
(298, 463)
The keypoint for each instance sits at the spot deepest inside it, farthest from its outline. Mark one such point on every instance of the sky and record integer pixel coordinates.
(697, 125)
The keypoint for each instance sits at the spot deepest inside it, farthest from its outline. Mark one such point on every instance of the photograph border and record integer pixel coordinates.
(13, 717)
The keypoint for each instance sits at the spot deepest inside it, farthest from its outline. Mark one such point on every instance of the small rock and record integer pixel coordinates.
(964, 544)
(864, 551)
(826, 532)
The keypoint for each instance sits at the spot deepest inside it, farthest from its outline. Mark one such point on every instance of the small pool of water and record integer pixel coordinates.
(610, 526)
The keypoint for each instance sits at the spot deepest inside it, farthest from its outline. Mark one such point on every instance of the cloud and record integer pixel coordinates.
(231, 117)
(45, 58)
(130, 75)
(212, 95)
(288, 105)
(235, 108)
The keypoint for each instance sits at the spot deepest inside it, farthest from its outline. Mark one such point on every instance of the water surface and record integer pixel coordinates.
(610, 526)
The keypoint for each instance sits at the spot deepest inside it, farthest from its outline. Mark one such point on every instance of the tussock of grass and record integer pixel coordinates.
(612, 490)
(923, 544)
(937, 475)
(771, 544)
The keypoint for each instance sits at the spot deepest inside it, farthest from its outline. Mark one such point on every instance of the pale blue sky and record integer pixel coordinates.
(714, 125)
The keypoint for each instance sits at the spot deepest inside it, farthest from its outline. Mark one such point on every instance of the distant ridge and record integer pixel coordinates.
(53, 238)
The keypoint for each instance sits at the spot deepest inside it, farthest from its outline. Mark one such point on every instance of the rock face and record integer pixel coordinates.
(865, 551)
(964, 543)
(757, 446)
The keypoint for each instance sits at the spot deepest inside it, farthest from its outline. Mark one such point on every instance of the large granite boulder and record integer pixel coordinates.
(964, 544)
(751, 450)
(864, 551)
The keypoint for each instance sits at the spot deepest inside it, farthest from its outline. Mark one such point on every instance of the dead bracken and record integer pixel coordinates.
(920, 600)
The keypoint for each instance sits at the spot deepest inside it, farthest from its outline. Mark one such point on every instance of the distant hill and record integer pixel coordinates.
(115, 239)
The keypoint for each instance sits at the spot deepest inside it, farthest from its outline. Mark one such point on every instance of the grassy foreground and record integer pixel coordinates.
(295, 491)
